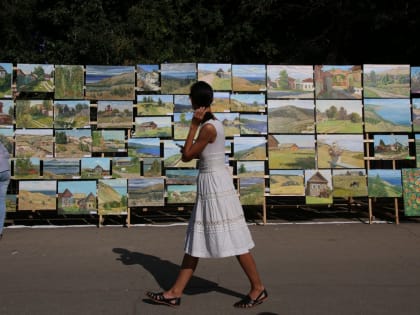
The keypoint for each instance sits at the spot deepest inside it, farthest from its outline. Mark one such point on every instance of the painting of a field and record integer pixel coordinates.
(34, 114)
(349, 183)
(125, 167)
(34, 143)
(338, 82)
(27, 168)
(71, 143)
(248, 78)
(218, 75)
(153, 126)
(231, 123)
(177, 78)
(287, 183)
(386, 81)
(144, 192)
(387, 115)
(112, 196)
(384, 183)
(252, 190)
(37, 195)
(221, 102)
(181, 176)
(34, 78)
(411, 191)
(71, 114)
(144, 147)
(68, 81)
(172, 155)
(250, 169)
(250, 148)
(339, 116)
(247, 102)
(291, 116)
(182, 122)
(115, 114)
(155, 105)
(179, 194)
(290, 82)
(148, 78)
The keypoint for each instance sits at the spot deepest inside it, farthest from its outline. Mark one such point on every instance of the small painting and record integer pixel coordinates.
(249, 78)
(7, 111)
(247, 102)
(69, 80)
(253, 124)
(291, 116)
(221, 102)
(125, 167)
(181, 194)
(411, 191)
(338, 82)
(182, 122)
(339, 116)
(155, 105)
(384, 183)
(415, 80)
(11, 202)
(108, 141)
(110, 82)
(146, 192)
(71, 114)
(349, 183)
(37, 195)
(72, 143)
(6, 80)
(287, 183)
(218, 75)
(7, 138)
(250, 169)
(386, 81)
(77, 197)
(182, 104)
(61, 168)
(34, 78)
(95, 167)
(416, 114)
(177, 78)
(291, 151)
(252, 191)
(172, 155)
(34, 114)
(340, 151)
(151, 167)
(181, 176)
(417, 145)
(318, 187)
(27, 168)
(231, 123)
(387, 115)
(391, 147)
(112, 196)
(148, 78)
(144, 147)
(34, 143)
(115, 114)
(295, 82)
(153, 126)
(250, 148)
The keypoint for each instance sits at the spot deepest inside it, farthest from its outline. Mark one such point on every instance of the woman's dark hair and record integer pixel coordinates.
(201, 94)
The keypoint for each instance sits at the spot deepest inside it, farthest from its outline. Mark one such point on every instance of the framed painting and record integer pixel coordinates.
(416, 114)
(181, 194)
(411, 191)
(34, 114)
(148, 79)
(146, 192)
(155, 105)
(181, 176)
(218, 75)
(27, 168)
(110, 82)
(37, 195)
(221, 102)
(339, 116)
(153, 126)
(7, 113)
(69, 81)
(349, 183)
(249, 78)
(172, 155)
(72, 143)
(250, 169)
(250, 148)
(77, 197)
(251, 190)
(125, 167)
(112, 196)
(108, 141)
(247, 102)
(144, 147)
(291, 151)
(287, 183)
(291, 116)
(34, 78)
(177, 78)
(386, 81)
(387, 115)
(391, 147)
(6, 80)
(34, 143)
(151, 167)
(384, 183)
(253, 124)
(95, 168)
(318, 186)
(71, 114)
(115, 114)
(61, 168)
(285, 81)
(231, 123)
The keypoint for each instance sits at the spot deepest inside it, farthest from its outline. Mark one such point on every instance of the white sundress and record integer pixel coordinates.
(217, 227)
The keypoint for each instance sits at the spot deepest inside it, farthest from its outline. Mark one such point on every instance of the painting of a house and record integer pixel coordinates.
(318, 186)
(338, 82)
(77, 197)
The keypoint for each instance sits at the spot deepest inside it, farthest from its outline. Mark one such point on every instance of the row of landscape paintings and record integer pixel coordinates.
(241, 114)
(115, 196)
(99, 82)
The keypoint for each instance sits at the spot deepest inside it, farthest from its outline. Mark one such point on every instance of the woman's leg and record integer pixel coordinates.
(189, 263)
(4, 183)
(248, 265)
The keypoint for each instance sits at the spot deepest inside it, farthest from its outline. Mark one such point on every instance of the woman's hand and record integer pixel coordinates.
(198, 115)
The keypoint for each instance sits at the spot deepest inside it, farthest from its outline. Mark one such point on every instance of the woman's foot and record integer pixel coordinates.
(248, 302)
(161, 299)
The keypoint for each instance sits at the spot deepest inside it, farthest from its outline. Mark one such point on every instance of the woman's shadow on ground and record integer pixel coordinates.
(165, 273)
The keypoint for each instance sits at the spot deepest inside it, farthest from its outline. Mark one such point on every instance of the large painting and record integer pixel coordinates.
(115, 114)
(384, 183)
(387, 115)
(177, 78)
(37, 195)
(69, 80)
(34, 114)
(318, 186)
(339, 116)
(249, 78)
(148, 78)
(77, 197)
(112, 196)
(34, 78)
(290, 82)
(411, 191)
(155, 105)
(349, 183)
(146, 192)
(287, 183)
(291, 116)
(218, 75)
(71, 114)
(386, 81)
(6, 80)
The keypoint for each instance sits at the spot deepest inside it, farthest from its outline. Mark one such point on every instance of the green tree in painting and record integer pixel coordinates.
(283, 80)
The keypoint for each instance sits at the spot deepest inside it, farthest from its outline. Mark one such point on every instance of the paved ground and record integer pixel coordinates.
(351, 268)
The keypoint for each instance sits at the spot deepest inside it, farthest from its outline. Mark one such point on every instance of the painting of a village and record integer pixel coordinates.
(340, 151)
(287, 183)
(349, 183)
(176, 78)
(144, 192)
(291, 116)
(290, 82)
(68, 81)
(231, 123)
(180, 194)
(318, 186)
(391, 147)
(416, 114)
(172, 155)
(339, 116)
(249, 78)
(415, 80)
(61, 168)
(247, 102)
(411, 191)
(221, 102)
(252, 190)
(154, 105)
(253, 124)
(291, 151)
(7, 113)
(387, 115)
(218, 75)
(151, 167)
(384, 183)
(338, 82)
(112, 196)
(71, 143)
(77, 197)
(95, 167)
(108, 141)
(34, 114)
(115, 114)
(125, 167)
(386, 81)
(27, 168)
(148, 77)
(144, 147)
(37, 195)
(34, 78)
(6, 80)
(153, 126)
(250, 148)
(110, 82)
(34, 143)
(70, 114)
(250, 169)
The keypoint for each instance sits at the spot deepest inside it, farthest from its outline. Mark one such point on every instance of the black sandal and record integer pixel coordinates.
(248, 302)
(161, 299)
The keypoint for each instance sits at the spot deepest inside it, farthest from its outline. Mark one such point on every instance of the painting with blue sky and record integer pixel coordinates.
(35, 78)
(77, 197)
(384, 183)
(177, 78)
(148, 79)
(231, 123)
(71, 114)
(291, 116)
(61, 168)
(146, 192)
(37, 195)
(285, 81)
(153, 126)
(387, 115)
(108, 141)
(339, 116)
(112, 196)
(416, 114)
(95, 167)
(391, 147)
(415, 80)
(250, 148)
(338, 81)
(218, 75)
(221, 102)
(172, 155)
(144, 147)
(180, 194)
(250, 168)
(386, 81)
(247, 102)
(248, 78)
(154, 104)
(253, 124)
